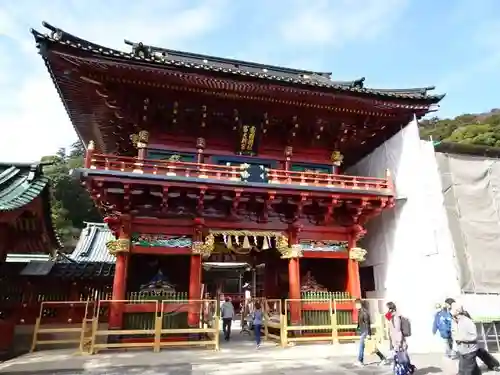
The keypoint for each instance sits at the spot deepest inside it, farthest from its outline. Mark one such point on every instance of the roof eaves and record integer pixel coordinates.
(64, 38)
(28, 187)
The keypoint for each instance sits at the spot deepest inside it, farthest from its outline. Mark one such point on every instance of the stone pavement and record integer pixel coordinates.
(235, 360)
(237, 357)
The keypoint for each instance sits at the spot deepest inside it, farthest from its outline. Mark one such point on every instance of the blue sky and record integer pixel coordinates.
(452, 44)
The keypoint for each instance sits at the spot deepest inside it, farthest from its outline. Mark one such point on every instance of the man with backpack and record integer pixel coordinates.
(442, 323)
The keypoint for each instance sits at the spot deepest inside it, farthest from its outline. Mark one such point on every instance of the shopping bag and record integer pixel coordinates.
(370, 345)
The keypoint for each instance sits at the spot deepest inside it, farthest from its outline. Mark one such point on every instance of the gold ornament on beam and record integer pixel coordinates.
(294, 251)
(358, 254)
(121, 245)
(141, 139)
(337, 158)
(204, 248)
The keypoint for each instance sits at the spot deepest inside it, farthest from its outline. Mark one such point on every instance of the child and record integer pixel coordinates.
(257, 323)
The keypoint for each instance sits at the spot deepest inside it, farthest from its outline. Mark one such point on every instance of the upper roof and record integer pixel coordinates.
(22, 184)
(142, 54)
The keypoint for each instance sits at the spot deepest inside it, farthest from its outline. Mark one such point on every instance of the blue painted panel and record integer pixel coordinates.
(237, 160)
(165, 155)
(256, 170)
(302, 167)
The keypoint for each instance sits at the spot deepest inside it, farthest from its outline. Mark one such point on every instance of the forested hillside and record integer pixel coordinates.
(479, 129)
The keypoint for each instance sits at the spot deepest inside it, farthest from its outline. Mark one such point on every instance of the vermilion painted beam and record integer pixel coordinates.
(324, 255)
(184, 227)
(160, 250)
(230, 188)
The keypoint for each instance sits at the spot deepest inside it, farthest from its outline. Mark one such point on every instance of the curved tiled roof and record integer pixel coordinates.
(20, 184)
(91, 246)
(162, 57)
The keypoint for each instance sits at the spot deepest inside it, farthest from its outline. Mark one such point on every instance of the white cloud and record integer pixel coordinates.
(336, 22)
(32, 118)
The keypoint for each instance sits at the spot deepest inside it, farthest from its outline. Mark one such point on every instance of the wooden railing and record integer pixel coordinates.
(163, 167)
(277, 176)
(234, 173)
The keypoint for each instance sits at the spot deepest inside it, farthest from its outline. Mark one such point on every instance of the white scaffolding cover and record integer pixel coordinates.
(409, 246)
(471, 189)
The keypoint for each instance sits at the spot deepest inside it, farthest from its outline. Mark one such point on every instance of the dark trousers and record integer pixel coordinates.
(226, 327)
(467, 364)
(485, 357)
(379, 354)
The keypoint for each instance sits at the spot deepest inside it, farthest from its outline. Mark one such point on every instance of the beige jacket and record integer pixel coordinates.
(396, 337)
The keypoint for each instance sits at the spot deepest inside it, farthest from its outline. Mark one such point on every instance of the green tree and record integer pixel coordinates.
(71, 204)
(481, 129)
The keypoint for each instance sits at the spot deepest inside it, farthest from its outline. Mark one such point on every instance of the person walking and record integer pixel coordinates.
(491, 362)
(442, 323)
(365, 329)
(227, 314)
(258, 318)
(399, 329)
(465, 335)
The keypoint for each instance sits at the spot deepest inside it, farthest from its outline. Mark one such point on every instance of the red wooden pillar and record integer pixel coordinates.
(195, 276)
(194, 290)
(353, 279)
(294, 277)
(119, 291)
(294, 290)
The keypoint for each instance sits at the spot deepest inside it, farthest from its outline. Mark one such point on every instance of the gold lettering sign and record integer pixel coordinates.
(247, 141)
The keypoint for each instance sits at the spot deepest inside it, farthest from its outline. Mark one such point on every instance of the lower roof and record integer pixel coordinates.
(20, 186)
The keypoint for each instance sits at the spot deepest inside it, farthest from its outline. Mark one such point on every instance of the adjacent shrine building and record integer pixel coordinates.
(196, 159)
(25, 228)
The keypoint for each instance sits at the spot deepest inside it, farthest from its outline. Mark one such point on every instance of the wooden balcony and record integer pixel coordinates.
(223, 173)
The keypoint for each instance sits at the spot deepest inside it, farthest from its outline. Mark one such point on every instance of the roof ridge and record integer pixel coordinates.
(184, 54)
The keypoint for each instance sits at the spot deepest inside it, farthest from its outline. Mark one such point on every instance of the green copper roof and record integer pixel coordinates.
(20, 184)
